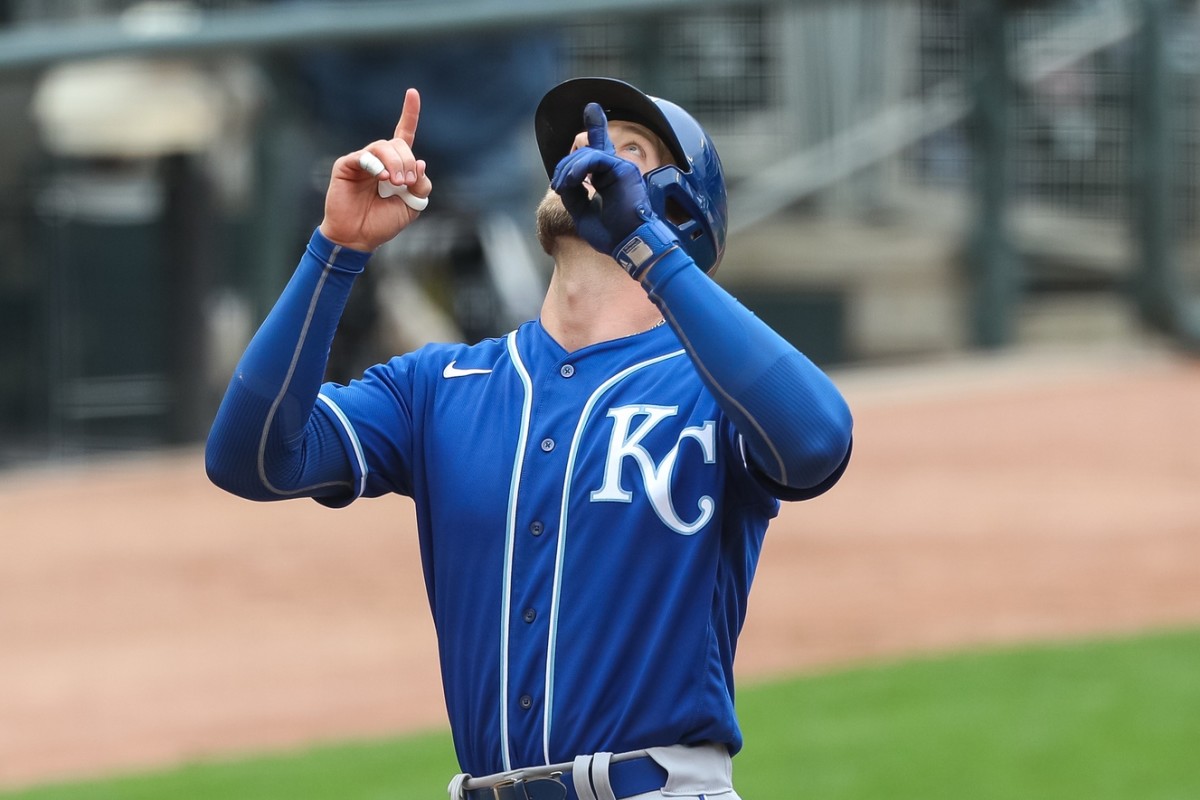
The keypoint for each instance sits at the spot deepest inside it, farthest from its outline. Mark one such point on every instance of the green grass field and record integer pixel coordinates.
(1095, 720)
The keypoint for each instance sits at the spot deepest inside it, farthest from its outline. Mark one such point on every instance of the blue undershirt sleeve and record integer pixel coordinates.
(268, 442)
(796, 426)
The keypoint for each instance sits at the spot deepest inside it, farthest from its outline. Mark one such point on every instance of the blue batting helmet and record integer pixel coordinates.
(688, 195)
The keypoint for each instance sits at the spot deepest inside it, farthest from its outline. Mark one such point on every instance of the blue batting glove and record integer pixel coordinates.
(620, 208)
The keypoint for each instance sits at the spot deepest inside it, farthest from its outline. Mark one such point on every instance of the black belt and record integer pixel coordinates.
(628, 778)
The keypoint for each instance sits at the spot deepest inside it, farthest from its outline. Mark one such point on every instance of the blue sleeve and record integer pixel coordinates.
(794, 421)
(270, 440)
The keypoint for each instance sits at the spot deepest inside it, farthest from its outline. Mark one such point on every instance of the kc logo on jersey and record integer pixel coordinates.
(626, 443)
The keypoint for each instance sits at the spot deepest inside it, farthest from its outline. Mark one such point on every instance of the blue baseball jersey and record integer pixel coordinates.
(589, 530)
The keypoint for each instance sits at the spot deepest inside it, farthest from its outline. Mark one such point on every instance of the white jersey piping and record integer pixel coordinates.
(510, 533)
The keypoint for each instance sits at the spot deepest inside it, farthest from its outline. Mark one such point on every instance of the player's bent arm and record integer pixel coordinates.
(266, 442)
(796, 424)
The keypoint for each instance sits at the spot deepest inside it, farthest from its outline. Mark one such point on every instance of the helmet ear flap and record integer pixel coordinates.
(675, 201)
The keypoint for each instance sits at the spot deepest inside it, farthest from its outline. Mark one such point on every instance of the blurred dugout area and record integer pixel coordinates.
(908, 179)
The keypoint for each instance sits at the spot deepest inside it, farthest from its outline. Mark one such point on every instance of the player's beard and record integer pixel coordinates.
(553, 221)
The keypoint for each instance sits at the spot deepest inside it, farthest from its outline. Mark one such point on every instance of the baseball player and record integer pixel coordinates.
(592, 489)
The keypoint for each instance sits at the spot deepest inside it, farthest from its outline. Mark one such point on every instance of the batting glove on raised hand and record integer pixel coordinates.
(617, 219)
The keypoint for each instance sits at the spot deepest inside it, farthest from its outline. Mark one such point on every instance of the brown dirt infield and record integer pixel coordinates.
(146, 618)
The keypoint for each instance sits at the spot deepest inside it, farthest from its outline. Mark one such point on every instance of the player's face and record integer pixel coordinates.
(632, 142)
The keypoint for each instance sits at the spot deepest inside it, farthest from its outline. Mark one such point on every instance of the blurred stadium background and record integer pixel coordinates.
(908, 178)
(915, 184)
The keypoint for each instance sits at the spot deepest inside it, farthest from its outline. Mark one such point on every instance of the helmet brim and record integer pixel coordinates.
(559, 116)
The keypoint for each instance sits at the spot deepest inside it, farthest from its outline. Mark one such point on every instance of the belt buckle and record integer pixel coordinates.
(505, 784)
(519, 788)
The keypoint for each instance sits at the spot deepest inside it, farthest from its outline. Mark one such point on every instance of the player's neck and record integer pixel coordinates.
(591, 299)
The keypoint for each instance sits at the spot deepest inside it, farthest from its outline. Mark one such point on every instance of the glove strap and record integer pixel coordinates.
(649, 242)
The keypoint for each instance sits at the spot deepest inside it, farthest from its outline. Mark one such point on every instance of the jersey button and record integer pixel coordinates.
(536, 528)
(567, 370)
(530, 615)
(526, 702)
(547, 445)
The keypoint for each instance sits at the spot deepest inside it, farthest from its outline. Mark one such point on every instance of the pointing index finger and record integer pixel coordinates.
(406, 128)
(597, 128)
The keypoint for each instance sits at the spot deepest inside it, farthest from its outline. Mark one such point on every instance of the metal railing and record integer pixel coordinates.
(175, 30)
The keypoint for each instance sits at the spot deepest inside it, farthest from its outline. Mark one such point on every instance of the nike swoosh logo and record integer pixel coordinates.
(452, 371)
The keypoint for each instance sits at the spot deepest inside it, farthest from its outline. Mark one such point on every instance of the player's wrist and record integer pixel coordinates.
(338, 255)
(659, 274)
(339, 238)
(649, 242)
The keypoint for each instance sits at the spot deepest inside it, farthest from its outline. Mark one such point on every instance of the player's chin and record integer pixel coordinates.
(553, 222)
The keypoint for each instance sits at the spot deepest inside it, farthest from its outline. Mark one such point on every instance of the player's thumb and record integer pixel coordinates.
(597, 128)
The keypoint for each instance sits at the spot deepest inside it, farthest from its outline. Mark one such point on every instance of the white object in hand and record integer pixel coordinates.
(371, 163)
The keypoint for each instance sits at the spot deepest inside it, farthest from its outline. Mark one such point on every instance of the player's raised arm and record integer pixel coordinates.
(266, 442)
